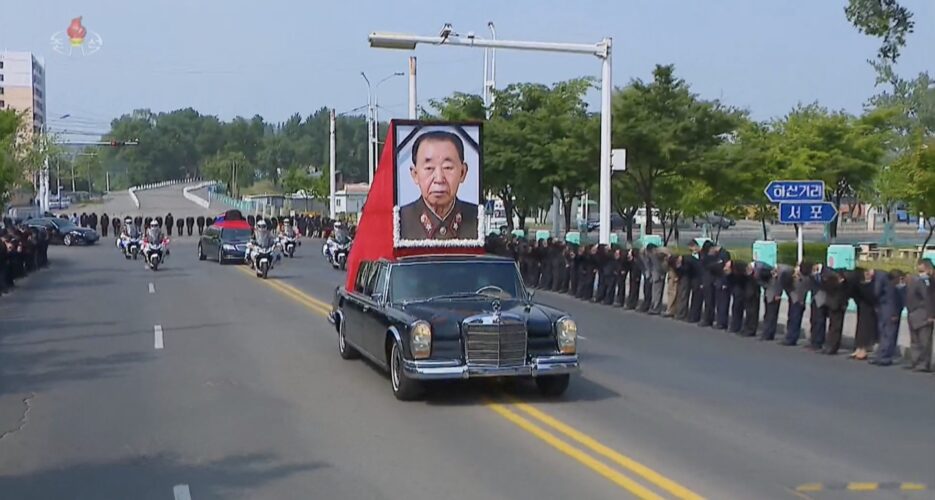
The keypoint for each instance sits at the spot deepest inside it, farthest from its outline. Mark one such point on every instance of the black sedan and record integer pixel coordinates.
(225, 241)
(63, 232)
(453, 317)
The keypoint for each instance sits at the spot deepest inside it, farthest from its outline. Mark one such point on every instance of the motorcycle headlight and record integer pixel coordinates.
(420, 339)
(566, 332)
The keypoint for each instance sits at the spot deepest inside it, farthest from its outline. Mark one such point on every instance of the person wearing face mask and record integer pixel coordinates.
(891, 298)
(921, 315)
(864, 294)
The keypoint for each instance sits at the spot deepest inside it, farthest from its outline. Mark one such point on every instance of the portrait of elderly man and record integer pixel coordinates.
(438, 169)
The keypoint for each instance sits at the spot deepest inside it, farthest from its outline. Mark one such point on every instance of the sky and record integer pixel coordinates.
(278, 57)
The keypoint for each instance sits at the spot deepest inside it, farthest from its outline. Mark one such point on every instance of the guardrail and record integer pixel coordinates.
(155, 185)
(194, 198)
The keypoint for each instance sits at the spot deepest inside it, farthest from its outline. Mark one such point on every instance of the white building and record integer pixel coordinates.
(350, 200)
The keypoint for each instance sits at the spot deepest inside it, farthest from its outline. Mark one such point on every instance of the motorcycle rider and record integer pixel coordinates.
(262, 238)
(287, 229)
(153, 236)
(129, 231)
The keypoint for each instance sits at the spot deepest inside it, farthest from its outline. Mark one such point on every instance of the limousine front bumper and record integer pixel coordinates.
(455, 369)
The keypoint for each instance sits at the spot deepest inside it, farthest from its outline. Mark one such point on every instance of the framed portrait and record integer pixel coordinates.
(437, 190)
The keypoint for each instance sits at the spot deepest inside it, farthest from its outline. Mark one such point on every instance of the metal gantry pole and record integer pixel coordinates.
(606, 93)
(413, 102)
(333, 167)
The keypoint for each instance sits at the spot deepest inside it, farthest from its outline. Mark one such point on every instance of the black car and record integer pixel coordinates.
(62, 231)
(453, 317)
(225, 241)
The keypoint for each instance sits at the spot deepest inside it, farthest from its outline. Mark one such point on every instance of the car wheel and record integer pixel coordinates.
(553, 385)
(68, 240)
(201, 253)
(404, 388)
(345, 349)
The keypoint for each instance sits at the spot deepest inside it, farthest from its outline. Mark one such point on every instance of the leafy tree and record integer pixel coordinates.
(887, 20)
(233, 168)
(919, 193)
(667, 131)
(10, 172)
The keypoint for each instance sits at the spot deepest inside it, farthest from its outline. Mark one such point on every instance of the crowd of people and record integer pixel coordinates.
(23, 250)
(709, 288)
(308, 224)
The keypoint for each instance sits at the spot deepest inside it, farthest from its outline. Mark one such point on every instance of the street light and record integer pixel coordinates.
(601, 49)
(373, 123)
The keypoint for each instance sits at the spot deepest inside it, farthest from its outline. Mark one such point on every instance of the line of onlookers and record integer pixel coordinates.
(22, 250)
(710, 288)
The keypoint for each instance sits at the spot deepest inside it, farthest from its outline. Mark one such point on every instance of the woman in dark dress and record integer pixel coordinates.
(863, 294)
(755, 278)
(738, 285)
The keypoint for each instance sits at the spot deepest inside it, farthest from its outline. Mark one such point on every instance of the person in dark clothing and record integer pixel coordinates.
(723, 287)
(607, 276)
(115, 223)
(835, 285)
(92, 221)
(180, 225)
(556, 255)
(757, 275)
(713, 267)
(169, 222)
(890, 289)
(647, 259)
(190, 224)
(921, 313)
(4, 261)
(146, 221)
(625, 266)
(105, 224)
(738, 286)
(863, 292)
(818, 320)
(138, 221)
(636, 278)
(801, 284)
(696, 277)
(200, 221)
(545, 264)
(159, 221)
(251, 220)
(209, 221)
(83, 220)
(587, 272)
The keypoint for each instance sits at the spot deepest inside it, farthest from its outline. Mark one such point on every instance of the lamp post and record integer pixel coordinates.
(490, 70)
(372, 121)
(601, 50)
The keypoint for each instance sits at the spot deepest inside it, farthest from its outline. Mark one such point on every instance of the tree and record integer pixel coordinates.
(919, 166)
(10, 172)
(885, 19)
(232, 168)
(667, 130)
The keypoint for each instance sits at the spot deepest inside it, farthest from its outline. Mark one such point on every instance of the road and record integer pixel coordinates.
(153, 202)
(116, 382)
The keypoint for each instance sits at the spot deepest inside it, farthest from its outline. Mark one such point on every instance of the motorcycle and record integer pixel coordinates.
(130, 248)
(337, 253)
(263, 258)
(155, 254)
(288, 244)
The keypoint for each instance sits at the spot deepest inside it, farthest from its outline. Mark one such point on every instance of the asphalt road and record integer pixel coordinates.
(153, 202)
(247, 398)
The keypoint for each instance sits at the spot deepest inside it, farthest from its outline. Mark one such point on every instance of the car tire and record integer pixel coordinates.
(68, 240)
(553, 386)
(201, 253)
(404, 388)
(345, 349)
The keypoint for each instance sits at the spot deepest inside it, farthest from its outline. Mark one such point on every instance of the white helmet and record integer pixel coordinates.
(261, 224)
(153, 224)
(285, 220)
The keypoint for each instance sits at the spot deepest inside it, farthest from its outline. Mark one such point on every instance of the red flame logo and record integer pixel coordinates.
(76, 32)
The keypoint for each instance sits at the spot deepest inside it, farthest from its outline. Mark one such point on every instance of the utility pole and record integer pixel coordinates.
(413, 111)
(333, 167)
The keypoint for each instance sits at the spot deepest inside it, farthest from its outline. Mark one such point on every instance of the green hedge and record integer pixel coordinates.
(787, 252)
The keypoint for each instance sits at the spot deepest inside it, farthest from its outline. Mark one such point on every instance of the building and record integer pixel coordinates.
(350, 200)
(22, 86)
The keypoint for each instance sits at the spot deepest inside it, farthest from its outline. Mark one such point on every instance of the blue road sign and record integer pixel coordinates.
(780, 191)
(815, 212)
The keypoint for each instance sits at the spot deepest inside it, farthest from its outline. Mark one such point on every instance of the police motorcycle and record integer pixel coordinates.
(261, 258)
(155, 252)
(288, 243)
(130, 244)
(338, 247)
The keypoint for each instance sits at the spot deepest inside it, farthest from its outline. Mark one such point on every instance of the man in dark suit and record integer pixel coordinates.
(180, 224)
(919, 300)
(438, 169)
(189, 223)
(105, 224)
(169, 220)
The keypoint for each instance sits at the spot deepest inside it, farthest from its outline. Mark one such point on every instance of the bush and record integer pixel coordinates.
(787, 253)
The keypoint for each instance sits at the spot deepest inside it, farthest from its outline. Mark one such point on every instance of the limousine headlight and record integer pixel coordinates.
(566, 332)
(420, 339)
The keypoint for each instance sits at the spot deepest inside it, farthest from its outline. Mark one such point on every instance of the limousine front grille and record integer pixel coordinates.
(495, 343)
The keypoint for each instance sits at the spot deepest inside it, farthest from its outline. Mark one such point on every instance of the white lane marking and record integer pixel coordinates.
(152, 288)
(181, 492)
(157, 332)
(582, 337)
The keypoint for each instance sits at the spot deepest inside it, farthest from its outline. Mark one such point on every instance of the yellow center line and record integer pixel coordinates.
(862, 486)
(592, 463)
(912, 487)
(582, 457)
(628, 463)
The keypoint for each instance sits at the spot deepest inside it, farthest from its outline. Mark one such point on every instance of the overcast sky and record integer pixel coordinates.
(277, 57)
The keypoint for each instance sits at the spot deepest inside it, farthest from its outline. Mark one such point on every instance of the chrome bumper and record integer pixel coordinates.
(455, 369)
